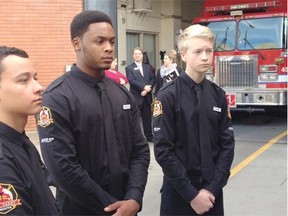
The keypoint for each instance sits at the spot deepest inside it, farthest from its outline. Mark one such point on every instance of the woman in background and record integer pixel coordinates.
(168, 71)
(116, 75)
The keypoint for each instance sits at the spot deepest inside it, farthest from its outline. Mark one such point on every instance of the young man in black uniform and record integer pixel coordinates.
(193, 134)
(89, 129)
(23, 186)
(142, 80)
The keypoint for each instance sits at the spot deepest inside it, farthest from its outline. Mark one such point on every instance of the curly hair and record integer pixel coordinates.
(81, 22)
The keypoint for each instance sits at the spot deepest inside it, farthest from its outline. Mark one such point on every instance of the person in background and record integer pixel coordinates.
(168, 71)
(24, 188)
(116, 75)
(142, 80)
(92, 141)
(193, 133)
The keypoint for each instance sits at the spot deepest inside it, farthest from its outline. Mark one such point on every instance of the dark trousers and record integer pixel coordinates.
(173, 204)
(146, 115)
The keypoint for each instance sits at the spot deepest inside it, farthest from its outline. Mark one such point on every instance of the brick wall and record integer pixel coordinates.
(41, 27)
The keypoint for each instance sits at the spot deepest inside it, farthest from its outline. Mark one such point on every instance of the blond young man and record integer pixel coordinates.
(193, 134)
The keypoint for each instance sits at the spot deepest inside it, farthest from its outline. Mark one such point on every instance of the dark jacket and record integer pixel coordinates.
(73, 146)
(23, 186)
(137, 81)
(174, 124)
(160, 81)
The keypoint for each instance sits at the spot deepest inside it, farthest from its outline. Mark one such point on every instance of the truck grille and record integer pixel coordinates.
(236, 71)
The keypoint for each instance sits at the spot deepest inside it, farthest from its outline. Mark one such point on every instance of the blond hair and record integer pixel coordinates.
(194, 31)
(137, 48)
(172, 54)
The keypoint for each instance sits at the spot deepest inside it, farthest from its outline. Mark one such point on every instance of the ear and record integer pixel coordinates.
(76, 42)
(183, 55)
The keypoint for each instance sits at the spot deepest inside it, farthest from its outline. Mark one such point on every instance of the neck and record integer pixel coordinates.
(16, 122)
(196, 77)
(92, 72)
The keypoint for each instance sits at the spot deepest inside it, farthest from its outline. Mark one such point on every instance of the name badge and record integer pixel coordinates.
(136, 68)
(217, 109)
(126, 106)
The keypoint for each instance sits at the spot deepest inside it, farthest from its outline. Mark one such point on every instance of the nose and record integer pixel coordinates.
(204, 56)
(37, 87)
(109, 47)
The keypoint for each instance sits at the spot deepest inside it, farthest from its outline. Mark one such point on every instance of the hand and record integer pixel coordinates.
(122, 81)
(203, 202)
(148, 88)
(124, 208)
(143, 93)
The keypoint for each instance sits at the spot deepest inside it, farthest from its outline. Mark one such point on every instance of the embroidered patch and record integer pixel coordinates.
(8, 198)
(157, 108)
(45, 117)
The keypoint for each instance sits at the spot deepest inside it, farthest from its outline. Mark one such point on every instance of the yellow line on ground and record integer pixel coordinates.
(249, 159)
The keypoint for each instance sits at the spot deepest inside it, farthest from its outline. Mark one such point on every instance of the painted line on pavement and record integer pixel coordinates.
(257, 153)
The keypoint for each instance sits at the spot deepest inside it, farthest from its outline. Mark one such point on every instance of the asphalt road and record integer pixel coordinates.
(259, 184)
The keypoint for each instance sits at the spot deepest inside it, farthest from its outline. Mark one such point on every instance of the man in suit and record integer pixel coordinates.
(142, 79)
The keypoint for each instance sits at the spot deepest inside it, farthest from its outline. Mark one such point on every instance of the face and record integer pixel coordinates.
(95, 49)
(199, 56)
(138, 56)
(167, 61)
(20, 93)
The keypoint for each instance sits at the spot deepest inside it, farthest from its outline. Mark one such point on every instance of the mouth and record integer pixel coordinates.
(38, 100)
(205, 65)
(108, 59)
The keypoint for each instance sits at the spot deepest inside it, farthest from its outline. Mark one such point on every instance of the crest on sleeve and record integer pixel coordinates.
(8, 198)
(157, 108)
(45, 117)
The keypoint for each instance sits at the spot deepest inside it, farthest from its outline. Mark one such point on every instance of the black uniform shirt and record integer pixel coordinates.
(23, 186)
(73, 146)
(175, 134)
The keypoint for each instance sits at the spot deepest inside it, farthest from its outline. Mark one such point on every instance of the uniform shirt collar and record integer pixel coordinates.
(75, 71)
(11, 134)
(191, 83)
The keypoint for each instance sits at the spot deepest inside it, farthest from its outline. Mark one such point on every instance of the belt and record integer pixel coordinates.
(196, 179)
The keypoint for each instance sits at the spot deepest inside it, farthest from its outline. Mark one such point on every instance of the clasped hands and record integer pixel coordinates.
(124, 208)
(147, 89)
(203, 202)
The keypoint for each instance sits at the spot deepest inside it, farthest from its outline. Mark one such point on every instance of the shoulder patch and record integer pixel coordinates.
(157, 108)
(45, 117)
(9, 198)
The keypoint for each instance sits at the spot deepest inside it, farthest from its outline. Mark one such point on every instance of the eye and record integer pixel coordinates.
(23, 80)
(99, 42)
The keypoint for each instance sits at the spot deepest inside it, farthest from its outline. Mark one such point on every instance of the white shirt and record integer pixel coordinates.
(139, 65)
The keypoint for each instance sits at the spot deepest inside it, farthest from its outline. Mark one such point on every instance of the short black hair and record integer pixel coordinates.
(81, 22)
(6, 51)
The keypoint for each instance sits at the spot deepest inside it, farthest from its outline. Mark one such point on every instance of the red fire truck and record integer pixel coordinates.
(250, 52)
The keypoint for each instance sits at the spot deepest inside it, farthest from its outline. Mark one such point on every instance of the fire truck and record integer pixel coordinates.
(250, 51)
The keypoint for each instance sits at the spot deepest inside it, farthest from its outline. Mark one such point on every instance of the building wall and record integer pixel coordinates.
(41, 27)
